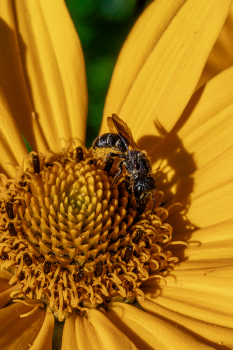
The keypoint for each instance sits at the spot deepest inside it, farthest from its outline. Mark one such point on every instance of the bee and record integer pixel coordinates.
(120, 143)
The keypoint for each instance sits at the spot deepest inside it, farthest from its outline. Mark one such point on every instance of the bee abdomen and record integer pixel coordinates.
(144, 185)
(108, 143)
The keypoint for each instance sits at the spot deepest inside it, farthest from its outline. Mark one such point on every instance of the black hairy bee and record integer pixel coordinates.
(120, 143)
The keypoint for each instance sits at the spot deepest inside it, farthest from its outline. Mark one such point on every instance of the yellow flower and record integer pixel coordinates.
(187, 134)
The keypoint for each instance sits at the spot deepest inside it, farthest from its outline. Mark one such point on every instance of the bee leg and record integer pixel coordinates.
(112, 155)
(129, 186)
(109, 161)
(141, 207)
(141, 203)
(108, 164)
(119, 166)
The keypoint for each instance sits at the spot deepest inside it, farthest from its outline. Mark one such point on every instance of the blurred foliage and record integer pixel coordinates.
(102, 27)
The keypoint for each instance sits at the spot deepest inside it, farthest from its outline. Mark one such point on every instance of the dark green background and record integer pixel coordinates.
(102, 27)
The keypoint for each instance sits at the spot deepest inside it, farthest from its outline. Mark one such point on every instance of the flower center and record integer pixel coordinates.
(71, 240)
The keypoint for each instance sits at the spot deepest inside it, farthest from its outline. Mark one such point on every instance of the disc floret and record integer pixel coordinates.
(71, 240)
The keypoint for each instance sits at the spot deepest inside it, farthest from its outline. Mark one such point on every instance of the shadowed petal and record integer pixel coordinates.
(12, 77)
(210, 334)
(11, 143)
(53, 72)
(94, 333)
(45, 335)
(149, 332)
(16, 332)
(210, 200)
(164, 78)
(5, 291)
(5, 275)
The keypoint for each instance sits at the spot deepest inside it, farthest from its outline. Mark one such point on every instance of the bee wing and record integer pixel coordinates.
(111, 126)
(116, 124)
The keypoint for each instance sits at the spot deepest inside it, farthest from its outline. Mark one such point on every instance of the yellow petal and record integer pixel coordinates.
(166, 74)
(210, 334)
(208, 247)
(12, 76)
(203, 132)
(221, 56)
(16, 332)
(206, 196)
(204, 294)
(11, 143)
(45, 335)
(69, 336)
(5, 296)
(5, 291)
(53, 71)
(149, 332)
(4, 285)
(5, 275)
(94, 333)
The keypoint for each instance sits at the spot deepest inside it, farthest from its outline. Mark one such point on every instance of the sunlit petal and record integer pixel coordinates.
(95, 333)
(11, 143)
(165, 77)
(145, 34)
(221, 56)
(68, 336)
(17, 332)
(208, 247)
(53, 72)
(202, 133)
(211, 334)
(204, 294)
(149, 332)
(201, 285)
